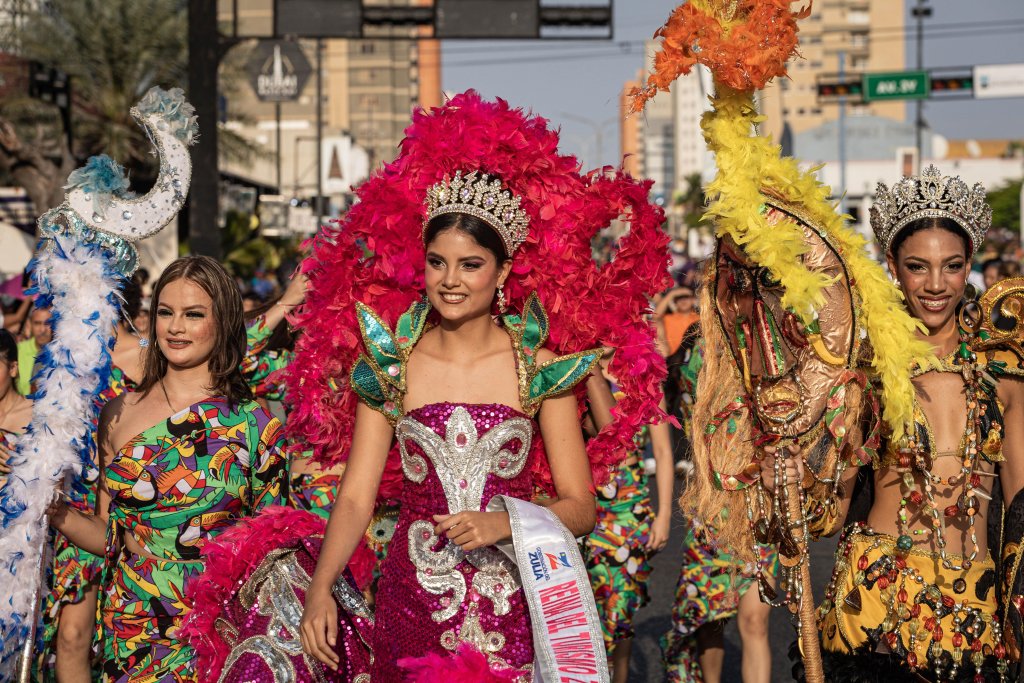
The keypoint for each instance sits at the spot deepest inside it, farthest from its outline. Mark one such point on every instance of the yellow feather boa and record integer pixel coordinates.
(749, 164)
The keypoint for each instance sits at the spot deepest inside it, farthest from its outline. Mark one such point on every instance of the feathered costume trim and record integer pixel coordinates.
(467, 665)
(375, 255)
(77, 281)
(231, 559)
(749, 164)
(745, 44)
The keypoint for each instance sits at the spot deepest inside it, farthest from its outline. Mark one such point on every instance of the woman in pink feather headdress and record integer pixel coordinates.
(451, 321)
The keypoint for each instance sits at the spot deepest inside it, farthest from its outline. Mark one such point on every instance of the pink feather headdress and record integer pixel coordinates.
(375, 255)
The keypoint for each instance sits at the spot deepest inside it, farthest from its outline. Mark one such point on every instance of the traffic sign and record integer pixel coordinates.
(278, 70)
(901, 85)
(999, 80)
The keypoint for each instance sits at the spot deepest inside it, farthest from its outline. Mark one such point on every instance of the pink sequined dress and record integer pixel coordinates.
(433, 597)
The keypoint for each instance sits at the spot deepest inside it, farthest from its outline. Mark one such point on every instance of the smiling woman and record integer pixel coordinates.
(171, 485)
(923, 556)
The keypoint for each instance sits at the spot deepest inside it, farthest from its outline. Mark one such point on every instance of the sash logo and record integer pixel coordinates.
(559, 560)
(537, 565)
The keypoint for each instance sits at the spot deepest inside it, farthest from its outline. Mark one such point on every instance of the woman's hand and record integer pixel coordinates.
(318, 629)
(658, 537)
(295, 293)
(793, 471)
(472, 530)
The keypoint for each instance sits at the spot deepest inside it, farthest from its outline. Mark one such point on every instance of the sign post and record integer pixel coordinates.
(902, 85)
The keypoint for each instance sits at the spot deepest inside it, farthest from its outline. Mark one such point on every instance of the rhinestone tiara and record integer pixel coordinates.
(930, 195)
(483, 197)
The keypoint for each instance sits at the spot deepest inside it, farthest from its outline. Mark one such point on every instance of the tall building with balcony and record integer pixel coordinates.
(866, 35)
(665, 142)
(370, 88)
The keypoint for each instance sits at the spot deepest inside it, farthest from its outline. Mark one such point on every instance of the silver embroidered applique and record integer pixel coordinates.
(462, 460)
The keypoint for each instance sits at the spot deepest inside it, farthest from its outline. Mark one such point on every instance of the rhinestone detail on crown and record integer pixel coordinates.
(483, 197)
(930, 195)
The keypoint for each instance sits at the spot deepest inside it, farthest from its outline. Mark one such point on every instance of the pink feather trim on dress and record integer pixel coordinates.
(375, 255)
(468, 665)
(231, 559)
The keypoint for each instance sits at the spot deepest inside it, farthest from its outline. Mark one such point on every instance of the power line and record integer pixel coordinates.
(934, 31)
(573, 56)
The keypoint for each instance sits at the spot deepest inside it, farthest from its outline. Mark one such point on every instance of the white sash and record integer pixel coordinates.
(567, 641)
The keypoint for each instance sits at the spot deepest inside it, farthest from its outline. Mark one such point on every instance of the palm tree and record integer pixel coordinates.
(114, 51)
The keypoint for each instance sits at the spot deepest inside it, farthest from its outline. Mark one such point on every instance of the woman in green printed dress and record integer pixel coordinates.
(171, 485)
(627, 532)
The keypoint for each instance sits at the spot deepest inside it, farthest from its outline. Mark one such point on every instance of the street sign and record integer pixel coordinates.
(278, 70)
(999, 80)
(901, 85)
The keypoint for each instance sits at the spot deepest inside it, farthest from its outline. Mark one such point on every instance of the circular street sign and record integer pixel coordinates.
(278, 70)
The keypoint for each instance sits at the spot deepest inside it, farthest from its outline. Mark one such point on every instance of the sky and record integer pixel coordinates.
(576, 84)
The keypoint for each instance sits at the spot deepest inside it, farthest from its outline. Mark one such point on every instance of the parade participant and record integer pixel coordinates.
(468, 386)
(172, 485)
(924, 584)
(39, 335)
(268, 353)
(627, 531)
(15, 409)
(69, 613)
(790, 302)
(713, 585)
(87, 251)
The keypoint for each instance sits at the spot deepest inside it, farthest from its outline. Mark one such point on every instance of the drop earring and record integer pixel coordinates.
(501, 299)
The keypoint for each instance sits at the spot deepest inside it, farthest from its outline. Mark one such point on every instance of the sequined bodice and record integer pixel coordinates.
(455, 458)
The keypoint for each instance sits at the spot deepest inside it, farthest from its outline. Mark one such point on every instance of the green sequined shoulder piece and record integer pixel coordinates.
(378, 376)
(529, 333)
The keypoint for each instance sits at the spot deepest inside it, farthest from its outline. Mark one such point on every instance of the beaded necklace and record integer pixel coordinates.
(918, 484)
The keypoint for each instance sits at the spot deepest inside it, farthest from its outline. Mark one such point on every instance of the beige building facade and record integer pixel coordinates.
(868, 34)
(370, 89)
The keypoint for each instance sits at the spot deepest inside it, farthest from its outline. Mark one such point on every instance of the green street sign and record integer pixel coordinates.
(901, 85)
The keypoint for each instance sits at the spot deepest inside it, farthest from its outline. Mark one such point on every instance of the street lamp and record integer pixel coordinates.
(598, 128)
(920, 12)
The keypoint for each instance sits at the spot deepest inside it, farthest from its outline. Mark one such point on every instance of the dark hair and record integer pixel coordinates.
(929, 223)
(8, 347)
(141, 276)
(229, 343)
(989, 262)
(132, 295)
(481, 232)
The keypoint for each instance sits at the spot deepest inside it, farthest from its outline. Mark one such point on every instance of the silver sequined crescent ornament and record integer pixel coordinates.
(115, 219)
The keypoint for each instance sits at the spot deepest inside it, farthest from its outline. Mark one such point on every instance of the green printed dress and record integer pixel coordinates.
(263, 369)
(174, 487)
(615, 552)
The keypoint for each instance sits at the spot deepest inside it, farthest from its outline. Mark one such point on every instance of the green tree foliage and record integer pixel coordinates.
(114, 51)
(1005, 203)
(691, 200)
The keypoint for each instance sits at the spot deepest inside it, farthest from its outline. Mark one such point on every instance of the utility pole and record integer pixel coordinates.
(203, 60)
(842, 137)
(920, 12)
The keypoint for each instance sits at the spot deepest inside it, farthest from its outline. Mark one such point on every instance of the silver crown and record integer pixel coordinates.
(484, 198)
(930, 195)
